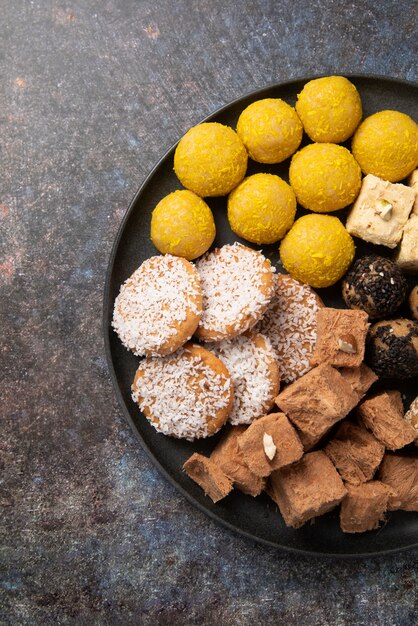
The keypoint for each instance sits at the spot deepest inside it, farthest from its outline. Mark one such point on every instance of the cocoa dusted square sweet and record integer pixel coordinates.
(230, 459)
(306, 489)
(360, 378)
(341, 337)
(364, 506)
(382, 416)
(209, 476)
(270, 443)
(355, 452)
(317, 401)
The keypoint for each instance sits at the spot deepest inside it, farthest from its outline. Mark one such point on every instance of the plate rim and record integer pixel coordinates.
(106, 334)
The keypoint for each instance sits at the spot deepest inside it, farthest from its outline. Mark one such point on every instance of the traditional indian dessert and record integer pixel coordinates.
(341, 337)
(270, 443)
(382, 416)
(290, 324)
(237, 285)
(413, 182)
(401, 474)
(317, 250)
(380, 212)
(229, 458)
(375, 285)
(413, 302)
(360, 378)
(407, 254)
(411, 416)
(270, 130)
(251, 362)
(317, 401)
(386, 145)
(392, 348)
(182, 224)
(364, 506)
(262, 208)
(159, 307)
(355, 452)
(325, 177)
(210, 159)
(208, 475)
(306, 489)
(187, 394)
(330, 109)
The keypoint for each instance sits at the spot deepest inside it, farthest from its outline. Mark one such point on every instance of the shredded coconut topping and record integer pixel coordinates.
(234, 297)
(290, 324)
(159, 296)
(250, 369)
(182, 394)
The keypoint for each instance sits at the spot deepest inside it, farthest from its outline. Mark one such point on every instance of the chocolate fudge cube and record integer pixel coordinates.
(229, 458)
(364, 506)
(355, 452)
(317, 400)
(341, 337)
(401, 474)
(380, 212)
(270, 436)
(209, 476)
(360, 378)
(306, 489)
(383, 418)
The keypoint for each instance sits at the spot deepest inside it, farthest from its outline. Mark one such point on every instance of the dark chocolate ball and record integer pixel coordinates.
(392, 348)
(375, 285)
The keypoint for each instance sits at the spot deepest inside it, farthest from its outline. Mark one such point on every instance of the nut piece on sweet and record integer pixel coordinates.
(392, 348)
(207, 475)
(364, 506)
(376, 285)
(407, 254)
(341, 337)
(229, 458)
(306, 489)
(252, 444)
(401, 474)
(382, 416)
(413, 302)
(360, 378)
(380, 212)
(413, 182)
(355, 452)
(317, 400)
(411, 416)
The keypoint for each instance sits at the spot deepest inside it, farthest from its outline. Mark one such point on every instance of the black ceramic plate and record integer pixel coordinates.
(257, 518)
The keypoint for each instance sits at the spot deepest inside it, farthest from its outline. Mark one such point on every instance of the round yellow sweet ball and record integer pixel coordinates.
(182, 224)
(270, 130)
(262, 208)
(330, 109)
(325, 177)
(386, 145)
(210, 159)
(317, 250)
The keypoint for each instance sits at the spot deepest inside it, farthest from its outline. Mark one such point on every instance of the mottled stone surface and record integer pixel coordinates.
(92, 93)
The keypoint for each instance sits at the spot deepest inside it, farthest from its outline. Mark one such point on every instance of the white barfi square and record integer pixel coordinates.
(407, 254)
(381, 211)
(413, 182)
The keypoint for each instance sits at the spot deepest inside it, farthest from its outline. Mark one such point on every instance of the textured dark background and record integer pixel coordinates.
(92, 93)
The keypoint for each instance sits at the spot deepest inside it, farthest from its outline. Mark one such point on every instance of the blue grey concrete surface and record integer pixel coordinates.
(92, 93)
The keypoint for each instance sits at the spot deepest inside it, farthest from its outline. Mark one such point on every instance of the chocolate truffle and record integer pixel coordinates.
(413, 302)
(392, 348)
(375, 285)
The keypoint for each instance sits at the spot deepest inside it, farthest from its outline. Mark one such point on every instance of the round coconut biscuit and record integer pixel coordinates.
(159, 307)
(251, 361)
(237, 285)
(290, 324)
(187, 395)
